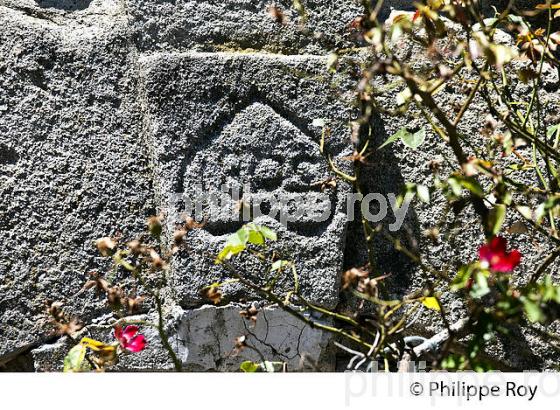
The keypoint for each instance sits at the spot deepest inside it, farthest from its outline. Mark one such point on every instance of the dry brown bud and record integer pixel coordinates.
(154, 225)
(179, 235)
(97, 282)
(157, 261)
(132, 305)
(136, 247)
(277, 14)
(106, 246)
(213, 293)
(115, 296)
(352, 276)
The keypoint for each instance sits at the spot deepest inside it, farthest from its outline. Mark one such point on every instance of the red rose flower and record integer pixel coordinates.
(130, 339)
(495, 257)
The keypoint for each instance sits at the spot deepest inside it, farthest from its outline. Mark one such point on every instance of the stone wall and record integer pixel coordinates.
(109, 107)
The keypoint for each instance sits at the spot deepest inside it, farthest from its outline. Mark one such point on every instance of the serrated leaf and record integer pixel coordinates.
(457, 183)
(237, 242)
(480, 287)
(463, 276)
(268, 233)
(255, 237)
(228, 252)
(533, 311)
(395, 137)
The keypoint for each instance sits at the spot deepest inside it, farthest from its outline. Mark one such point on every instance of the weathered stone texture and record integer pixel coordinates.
(72, 164)
(241, 24)
(110, 107)
(235, 120)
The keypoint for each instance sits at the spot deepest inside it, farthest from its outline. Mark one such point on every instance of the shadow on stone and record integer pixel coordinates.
(518, 349)
(68, 5)
(382, 175)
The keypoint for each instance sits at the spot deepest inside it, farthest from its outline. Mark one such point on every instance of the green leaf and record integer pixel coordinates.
(268, 233)
(533, 311)
(256, 238)
(480, 287)
(458, 182)
(410, 140)
(413, 141)
(553, 130)
(73, 362)
(455, 186)
(460, 281)
(497, 218)
(237, 242)
(453, 361)
(395, 137)
(249, 367)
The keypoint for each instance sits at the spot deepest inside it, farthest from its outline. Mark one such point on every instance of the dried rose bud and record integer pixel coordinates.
(352, 276)
(136, 247)
(240, 343)
(106, 246)
(191, 224)
(106, 357)
(69, 328)
(98, 282)
(432, 234)
(179, 235)
(132, 305)
(368, 286)
(277, 14)
(213, 293)
(250, 313)
(154, 226)
(54, 309)
(115, 296)
(156, 260)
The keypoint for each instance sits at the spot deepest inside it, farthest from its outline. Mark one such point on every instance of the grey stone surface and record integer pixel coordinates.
(72, 162)
(241, 24)
(247, 119)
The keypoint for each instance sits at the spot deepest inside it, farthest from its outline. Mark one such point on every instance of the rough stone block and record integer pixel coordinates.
(247, 119)
(241, 24)
(72, 165)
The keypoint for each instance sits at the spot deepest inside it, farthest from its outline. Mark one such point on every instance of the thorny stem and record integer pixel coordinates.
(290, 310)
